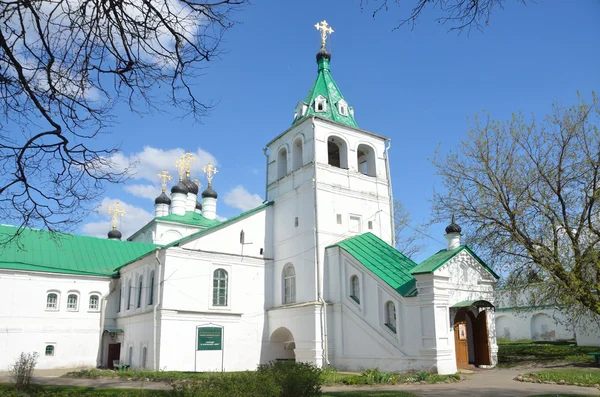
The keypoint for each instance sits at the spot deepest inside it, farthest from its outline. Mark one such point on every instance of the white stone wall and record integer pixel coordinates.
(27, 326)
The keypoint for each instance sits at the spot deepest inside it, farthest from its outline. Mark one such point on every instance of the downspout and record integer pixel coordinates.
(158, 272)
(323, 314)
(387, 174)
(266, 172)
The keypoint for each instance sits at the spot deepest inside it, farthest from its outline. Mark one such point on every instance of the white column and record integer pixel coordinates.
(178, 203)
(209, 207)
(190, 203)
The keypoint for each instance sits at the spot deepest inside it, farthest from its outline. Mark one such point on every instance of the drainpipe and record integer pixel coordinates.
(387, 174)
(266, 173)
(158, 272)
(323, 314)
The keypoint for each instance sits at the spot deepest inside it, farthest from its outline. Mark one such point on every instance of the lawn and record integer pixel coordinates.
(570, 376)
(527, 352)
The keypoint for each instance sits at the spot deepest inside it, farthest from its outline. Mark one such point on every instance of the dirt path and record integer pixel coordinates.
(488, 383)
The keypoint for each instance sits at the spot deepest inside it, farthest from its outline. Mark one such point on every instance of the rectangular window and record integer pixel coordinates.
(49, 350)
(354, 225)
(94, 302)
(339, 219)
(220, 280)
(72, 302)
(296, 222)
(370, 225)
(52, 302)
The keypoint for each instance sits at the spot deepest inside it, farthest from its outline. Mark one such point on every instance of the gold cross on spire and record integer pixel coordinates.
(210, 171)
(164, 177)
(325, 30)
(189, 158)
(181, 165)
(115, 212)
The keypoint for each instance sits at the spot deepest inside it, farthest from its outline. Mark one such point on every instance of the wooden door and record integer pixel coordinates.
(482, 340)
(114, 353)
(461, 344)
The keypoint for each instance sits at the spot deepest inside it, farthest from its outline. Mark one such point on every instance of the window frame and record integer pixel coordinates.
(391, 325)
(76, 295)
(56, 303)
(320, 100)
(151, 289)
(289, 284)
(220, 287)
(97, 308)
(355, 288)
(52, 348)
(140, 284)
(129, 291)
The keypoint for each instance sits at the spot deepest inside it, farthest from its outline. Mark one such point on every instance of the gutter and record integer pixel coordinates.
(387, 173)
(158, 279)
(323, 314)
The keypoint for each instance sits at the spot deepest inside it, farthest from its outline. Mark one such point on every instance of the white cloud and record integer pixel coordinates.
(129, 223)
(240, 198)
(150, 161)
(144, 191)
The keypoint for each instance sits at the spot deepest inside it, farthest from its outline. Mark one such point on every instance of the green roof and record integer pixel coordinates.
(436, 261)
(325, 86)
(43, 251)
(190, 218)
(219, 225)
(386, 262)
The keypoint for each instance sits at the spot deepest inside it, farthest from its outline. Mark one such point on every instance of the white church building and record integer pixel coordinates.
(311, 275)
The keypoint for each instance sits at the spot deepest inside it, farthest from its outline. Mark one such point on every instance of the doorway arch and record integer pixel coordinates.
(282, 344)
(471, 334)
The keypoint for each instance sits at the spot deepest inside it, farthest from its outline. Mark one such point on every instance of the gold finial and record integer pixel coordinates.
(197, 182)
(189, 158)
(210, 171)
(325, 30)
(181, 165)
(164, 177)
(115, 212)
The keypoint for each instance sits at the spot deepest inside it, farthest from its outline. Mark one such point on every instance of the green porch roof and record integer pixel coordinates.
(219, 225)
(437, 260)
(190, 218)
(43, 251)
(326, 87)
(386, 262)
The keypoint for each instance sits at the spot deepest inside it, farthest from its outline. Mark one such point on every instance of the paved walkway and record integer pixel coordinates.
(488, 383)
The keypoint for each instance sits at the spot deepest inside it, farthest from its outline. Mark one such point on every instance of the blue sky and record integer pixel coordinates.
(415, 86)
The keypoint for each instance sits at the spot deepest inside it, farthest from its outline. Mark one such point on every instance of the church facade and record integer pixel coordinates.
(310, 275)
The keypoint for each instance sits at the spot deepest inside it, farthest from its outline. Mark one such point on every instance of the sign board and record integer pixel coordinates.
(462, 331)
(210, 338)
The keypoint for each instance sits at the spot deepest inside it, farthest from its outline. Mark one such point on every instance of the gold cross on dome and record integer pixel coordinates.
(181, 165)
(164, 177)
(189, 158)
(115, 212)
(210, 171)
(325, 30)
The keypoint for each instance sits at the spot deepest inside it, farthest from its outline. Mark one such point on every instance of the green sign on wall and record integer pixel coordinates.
(210, 338)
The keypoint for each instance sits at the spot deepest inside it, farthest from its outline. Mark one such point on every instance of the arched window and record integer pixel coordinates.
(337, 152)
(220, 288)
(52, 301)
(94, 302)
(289, 284)
(129, 293)
(365, 157)
(282, 163)
(390, 316)
(120, 299)
(464, 273)
(72, 302)
(49, 350)
(151, 289)
(342, 107)
(297, 154)
(355, 288)
(130, 355)
(320, 104)
(140, 289)
(144, 356)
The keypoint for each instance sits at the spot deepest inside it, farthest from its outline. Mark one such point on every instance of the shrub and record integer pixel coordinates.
(376, 377)
(22, 370)
(295, 379)
(250, 384)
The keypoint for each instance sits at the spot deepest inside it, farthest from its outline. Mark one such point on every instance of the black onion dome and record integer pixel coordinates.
(180, 188)
(191, 185)
(162, 199)
(453, 227)
(323, 53)
(209, 192)
(114, 233)
(198, 206)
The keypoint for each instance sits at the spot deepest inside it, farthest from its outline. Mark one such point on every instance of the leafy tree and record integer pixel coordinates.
(528, 191)
(459, 14)
(65, 65)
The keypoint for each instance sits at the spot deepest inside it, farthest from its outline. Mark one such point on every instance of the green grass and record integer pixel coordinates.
(583, 377)
(361, 393)
(71, 391)
(525, 352)
(562, 395)
(133, 374)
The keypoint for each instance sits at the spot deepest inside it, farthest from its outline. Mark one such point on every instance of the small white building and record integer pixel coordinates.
(310, 275)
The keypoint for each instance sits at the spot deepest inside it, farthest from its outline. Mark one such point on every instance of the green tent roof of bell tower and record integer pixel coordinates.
(325, 87)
